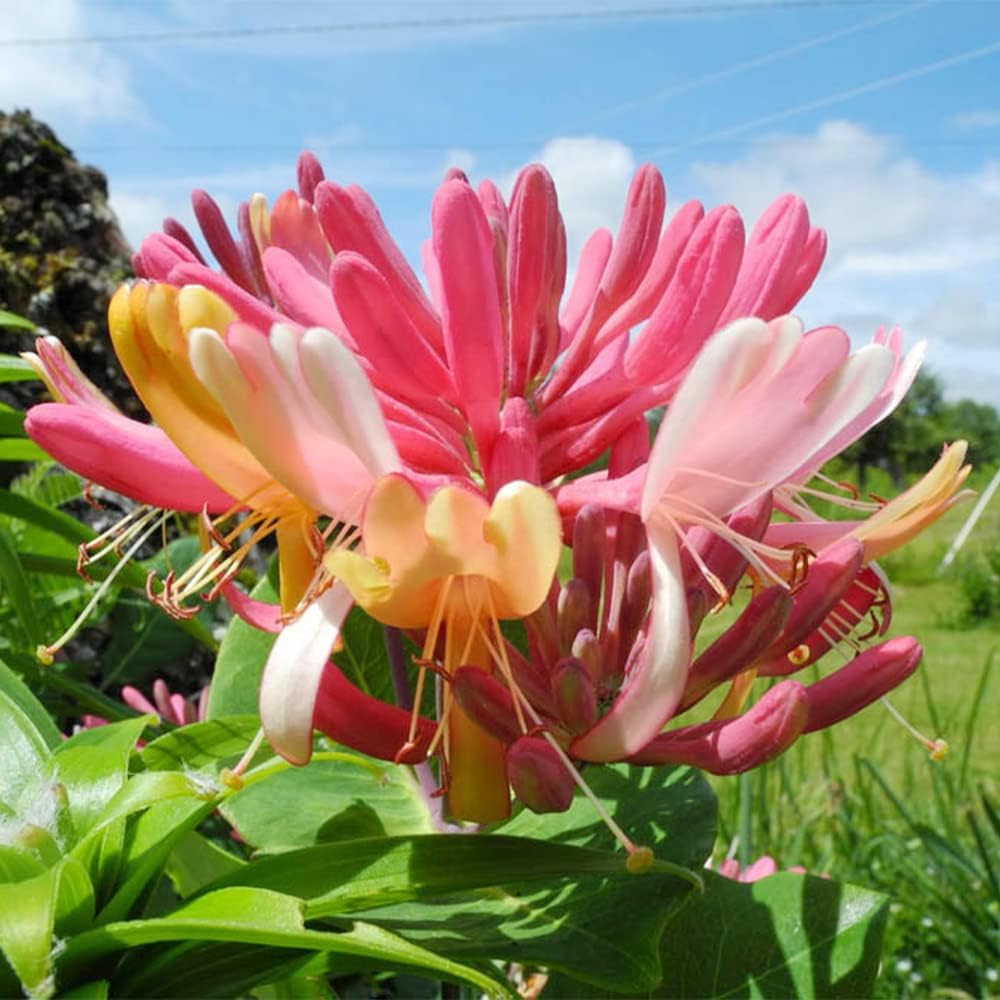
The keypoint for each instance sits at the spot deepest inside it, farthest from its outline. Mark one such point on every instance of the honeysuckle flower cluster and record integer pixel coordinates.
(419, 454)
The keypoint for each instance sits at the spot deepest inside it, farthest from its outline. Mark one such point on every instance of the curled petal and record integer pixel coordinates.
(294, 671)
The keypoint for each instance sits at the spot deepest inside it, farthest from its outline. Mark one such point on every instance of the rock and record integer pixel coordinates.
(62, 255)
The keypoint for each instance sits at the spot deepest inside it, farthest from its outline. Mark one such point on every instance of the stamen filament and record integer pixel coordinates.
(938, 748)
(45, 654)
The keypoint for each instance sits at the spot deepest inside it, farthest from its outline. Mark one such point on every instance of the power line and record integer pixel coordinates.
(838, 98)
(706, 7)
(678, 90)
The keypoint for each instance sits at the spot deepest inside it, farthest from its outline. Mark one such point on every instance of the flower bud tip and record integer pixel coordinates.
(43, 655)
(939, 749)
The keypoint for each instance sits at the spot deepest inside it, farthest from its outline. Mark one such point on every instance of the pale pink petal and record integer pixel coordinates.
(651, 692)
(294, 670)
(589, 269)
(123, 455)
(796, 392)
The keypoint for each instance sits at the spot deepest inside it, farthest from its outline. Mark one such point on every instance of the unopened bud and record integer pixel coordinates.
(866, 678)
(755, 629)
(538, 776)
(731, 746)
(486, 702)
(697, 607)
(575, 697)
(635, 607)
(828, 579)
(573, 611)
(587, 649)
(589, 542)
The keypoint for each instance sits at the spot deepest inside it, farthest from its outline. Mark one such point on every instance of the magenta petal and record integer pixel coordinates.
(301, 296)
(123, 455)
(350, 221)
(261, 615)
(362, 722)
(771, 259)
(470, 308)
(219, 239)
(867, 677)
(404, 362)
(731, 746)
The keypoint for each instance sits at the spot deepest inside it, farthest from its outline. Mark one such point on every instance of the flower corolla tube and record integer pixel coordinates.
(426, 456)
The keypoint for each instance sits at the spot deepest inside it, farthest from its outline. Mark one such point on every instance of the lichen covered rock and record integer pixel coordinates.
(62, 253)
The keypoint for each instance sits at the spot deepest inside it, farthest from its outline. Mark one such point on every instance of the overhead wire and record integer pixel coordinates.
(683, 9)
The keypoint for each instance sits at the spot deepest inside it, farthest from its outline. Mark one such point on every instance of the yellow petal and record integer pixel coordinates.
(525, 531)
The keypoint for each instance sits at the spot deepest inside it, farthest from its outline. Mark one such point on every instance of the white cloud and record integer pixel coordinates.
(61, 83)
(973, 121)
(907, 242)
(870, 198)
(962, 315)
(139, 214)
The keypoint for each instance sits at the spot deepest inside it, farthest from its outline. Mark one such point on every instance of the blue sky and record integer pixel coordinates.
(884, 116)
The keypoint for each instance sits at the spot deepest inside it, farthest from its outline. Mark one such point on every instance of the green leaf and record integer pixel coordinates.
(246, 916)
(244, 650)
(19, 692)
(671, 810)
(12, 319)
(328, 800)
(21, 450)
(58, 900)
(23, 750)
(55, 521)
(11, 422)
(348, 876)
(93, 767)
(787, 935)
(216, 741)
(240, 663)
(96, 989)
(196, 861)
(15, 583)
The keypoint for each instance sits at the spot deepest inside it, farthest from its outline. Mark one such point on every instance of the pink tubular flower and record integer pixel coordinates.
(322, 256)
(411, 453)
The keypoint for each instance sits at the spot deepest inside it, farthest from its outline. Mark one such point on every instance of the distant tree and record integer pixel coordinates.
(979, 424)
(908, 442)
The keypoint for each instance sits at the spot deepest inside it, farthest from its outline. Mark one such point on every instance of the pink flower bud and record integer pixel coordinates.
(827, 580)
(574, 611)
(515, 452)
(589, 541)
(587, 649)
(867, 677)
(486, 701)
(574, 694)
(730, 746)
(538, 776)
(755, 629)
